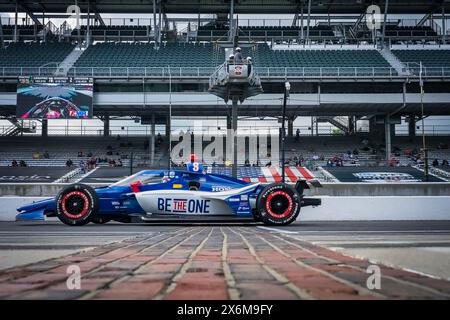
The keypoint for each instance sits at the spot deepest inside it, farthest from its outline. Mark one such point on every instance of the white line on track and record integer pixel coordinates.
(278, 230)
(353, 231)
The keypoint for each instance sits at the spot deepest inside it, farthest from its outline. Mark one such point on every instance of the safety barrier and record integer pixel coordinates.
(332, 208)
(361, 189)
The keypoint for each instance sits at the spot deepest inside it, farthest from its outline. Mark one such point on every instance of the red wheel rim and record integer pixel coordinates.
(75, 205)
(279, 204)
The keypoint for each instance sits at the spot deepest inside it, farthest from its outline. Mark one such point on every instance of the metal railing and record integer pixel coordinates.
(268, 35)
(269, 72)
(206, 72)
(414, 69)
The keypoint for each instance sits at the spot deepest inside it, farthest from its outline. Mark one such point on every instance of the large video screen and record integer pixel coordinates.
(54, 98)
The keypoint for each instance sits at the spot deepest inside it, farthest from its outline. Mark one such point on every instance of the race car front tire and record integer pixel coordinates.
(77, 204)
(278, 204)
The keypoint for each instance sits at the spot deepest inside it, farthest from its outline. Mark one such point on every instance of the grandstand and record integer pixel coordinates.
(32, 57)
(157, 66)
(56, 151)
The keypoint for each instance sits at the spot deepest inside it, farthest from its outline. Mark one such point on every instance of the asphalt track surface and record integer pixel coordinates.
(306, 260)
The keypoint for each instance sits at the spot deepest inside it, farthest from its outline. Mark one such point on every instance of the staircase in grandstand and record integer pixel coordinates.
(18, 127)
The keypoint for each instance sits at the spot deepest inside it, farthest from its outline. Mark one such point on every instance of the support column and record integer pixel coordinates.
(152, 140)
(16, 21)
(386, 5)
(308, 21)
(291, 127)
(88, 28)
(231, 22)
(44, 132)
(106, 126)
(154, 24)
(387, 136)
(2, 42)
(234, 124)
(302, 23)
(159, 22)
(411, 127)
(444, 31)
(168, 139)
(351, 125)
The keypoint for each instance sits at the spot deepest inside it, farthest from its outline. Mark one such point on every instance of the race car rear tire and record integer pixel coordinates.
(77, 204)
(278, 204)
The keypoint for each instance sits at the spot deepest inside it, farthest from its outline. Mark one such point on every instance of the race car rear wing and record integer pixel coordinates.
(302, 185)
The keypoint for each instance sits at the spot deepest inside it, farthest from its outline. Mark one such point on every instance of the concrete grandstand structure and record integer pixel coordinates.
(342, 72)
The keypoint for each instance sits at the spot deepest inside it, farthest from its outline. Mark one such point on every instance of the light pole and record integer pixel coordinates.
(169, 122)
(424, 147)
(287, 88)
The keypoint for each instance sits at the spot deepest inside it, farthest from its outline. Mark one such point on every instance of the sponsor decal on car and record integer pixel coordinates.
(219, 188)
(184, 205)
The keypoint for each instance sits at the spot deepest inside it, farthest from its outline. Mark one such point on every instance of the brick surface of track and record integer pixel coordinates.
(214, 262)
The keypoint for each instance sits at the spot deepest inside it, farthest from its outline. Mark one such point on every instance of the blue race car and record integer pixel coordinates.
(177, 194)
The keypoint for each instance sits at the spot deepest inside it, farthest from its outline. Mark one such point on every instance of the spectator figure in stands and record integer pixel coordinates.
(393, 162)
(159, 138)
(297, 135)
(92, 163)
(82, 166)
(69, 163)
(80, 154)
(36, 155)
(238, 55)
(22, 163)
(269, 164)
(46, 155)
(118, 137)
(355, 152)
(119, 163)
(249, 63)
(14, 163)
(89, 154)
(445, 163)
(247, 163)
(231, 59)
(435, 163)
(442, 145)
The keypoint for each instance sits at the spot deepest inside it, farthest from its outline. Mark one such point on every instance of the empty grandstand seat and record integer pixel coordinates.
(33, 55)
(120, 56)
(436, 62)
(189, 56)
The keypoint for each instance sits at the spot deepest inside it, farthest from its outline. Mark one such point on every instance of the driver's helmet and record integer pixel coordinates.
(193, 165)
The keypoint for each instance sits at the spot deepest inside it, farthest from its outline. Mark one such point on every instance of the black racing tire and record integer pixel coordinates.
(278, 204)
(77, 204)
(100, 219)
(194, 186)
